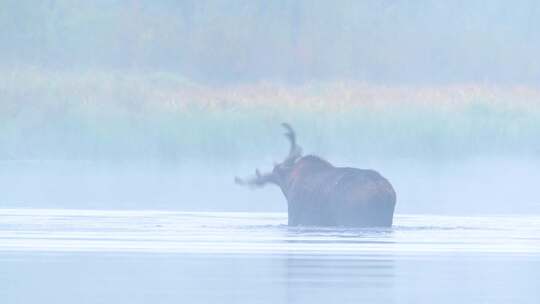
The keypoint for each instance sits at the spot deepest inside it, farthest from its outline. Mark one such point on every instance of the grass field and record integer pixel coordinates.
(143, 115)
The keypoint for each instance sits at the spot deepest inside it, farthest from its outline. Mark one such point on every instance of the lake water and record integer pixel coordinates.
(96, 256)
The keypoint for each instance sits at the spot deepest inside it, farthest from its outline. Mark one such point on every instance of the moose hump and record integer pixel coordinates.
(319, 194)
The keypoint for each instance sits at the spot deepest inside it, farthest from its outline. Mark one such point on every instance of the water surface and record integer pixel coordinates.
(98, 256)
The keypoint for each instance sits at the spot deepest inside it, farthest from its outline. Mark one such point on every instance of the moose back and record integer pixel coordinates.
(319, 194)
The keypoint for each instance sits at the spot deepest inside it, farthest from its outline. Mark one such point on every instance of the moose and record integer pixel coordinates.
(320, 194)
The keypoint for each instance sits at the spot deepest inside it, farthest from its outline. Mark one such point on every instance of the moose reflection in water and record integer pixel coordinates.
(320, 194)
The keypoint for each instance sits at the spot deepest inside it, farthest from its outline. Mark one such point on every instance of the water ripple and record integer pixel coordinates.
(61, 230)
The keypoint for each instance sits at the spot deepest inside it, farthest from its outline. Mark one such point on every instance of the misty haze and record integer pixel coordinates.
(123, 125)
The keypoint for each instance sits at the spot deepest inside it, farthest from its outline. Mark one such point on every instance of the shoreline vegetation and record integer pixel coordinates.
(98, 114)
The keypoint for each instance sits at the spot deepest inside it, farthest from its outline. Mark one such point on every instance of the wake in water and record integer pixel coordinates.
(43, 230)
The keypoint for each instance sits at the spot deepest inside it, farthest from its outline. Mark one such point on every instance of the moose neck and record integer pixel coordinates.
(285, 181)
(305, 166)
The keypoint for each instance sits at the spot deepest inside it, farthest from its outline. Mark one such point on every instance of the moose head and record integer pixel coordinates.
(281, 170)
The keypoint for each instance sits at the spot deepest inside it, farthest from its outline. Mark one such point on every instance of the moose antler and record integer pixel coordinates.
(258, 181)
(295, 151)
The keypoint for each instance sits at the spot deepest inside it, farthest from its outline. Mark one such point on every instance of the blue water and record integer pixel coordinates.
(97, 256)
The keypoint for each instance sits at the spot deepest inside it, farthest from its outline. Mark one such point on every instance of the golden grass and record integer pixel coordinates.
(158, 91)
(63, 114)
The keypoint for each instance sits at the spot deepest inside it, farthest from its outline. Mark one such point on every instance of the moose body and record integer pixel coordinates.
(319, 194)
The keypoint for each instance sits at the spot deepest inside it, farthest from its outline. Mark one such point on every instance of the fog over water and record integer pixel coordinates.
(159, 105)
(124, 123)
(146, 141)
